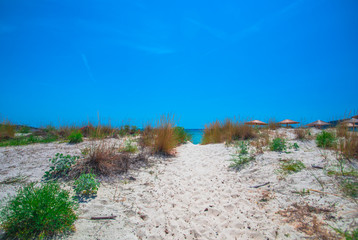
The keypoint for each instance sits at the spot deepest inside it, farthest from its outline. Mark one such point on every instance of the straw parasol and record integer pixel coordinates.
(353, 121)
(256, 122)
(318, 124)
(288, 121)
(356, 117)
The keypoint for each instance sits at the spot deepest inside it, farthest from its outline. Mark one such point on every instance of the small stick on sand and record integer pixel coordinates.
(261, 185)
(315, 166)
(105, 217)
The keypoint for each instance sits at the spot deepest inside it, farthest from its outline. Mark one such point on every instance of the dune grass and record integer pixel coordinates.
(227, 131)
(7, 130)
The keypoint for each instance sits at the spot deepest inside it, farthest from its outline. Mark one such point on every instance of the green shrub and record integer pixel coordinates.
(61, 165)
(129, 147)
(325, 139)
(86, 184)
(291, 166)
(278, 145)
(75, 137)
(181, 135)
(38, 212)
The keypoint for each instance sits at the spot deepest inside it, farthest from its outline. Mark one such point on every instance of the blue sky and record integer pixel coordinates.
(64, 61)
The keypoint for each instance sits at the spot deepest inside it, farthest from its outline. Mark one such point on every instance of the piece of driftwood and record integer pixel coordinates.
(315, 166)
(261, 185)
(104, 217)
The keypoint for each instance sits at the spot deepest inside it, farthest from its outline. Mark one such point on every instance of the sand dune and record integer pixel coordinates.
(196, 196)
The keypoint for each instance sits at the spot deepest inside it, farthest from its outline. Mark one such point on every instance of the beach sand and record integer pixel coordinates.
(195, 195)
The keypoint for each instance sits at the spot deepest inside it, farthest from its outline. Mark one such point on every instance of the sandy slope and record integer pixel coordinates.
(196, 196)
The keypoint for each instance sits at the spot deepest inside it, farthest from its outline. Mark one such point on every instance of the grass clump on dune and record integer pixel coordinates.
(164, 137)
(75, 137)
(7, 130)
(325, 139)
(291, 166)
(302, 134)
(227, 131)
(278, 145)
(37, 212)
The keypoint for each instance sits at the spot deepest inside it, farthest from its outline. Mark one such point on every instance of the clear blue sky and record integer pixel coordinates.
(65, 61)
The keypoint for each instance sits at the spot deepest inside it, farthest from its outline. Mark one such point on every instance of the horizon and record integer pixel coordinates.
(65, 62)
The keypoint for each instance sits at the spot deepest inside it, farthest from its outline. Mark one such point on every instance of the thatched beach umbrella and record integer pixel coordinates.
(255, 122)
(318, 124)
(288, 121)
(356, 117)
(353, 121)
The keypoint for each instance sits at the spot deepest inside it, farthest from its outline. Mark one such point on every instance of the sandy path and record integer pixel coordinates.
(197, 197)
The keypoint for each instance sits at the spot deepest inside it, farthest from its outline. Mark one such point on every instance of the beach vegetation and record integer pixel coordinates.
(129, 147)
(272, 124)
(75, 137)
(26, 140)
(61, 165)
(24, 129)
(227, 131)
(302, 134)
(325, 139)
(349, 187)
(37, 212)
(238, 161)
(7, 130)
(278, 145)
(181, 135)
(291, 166)
(128, 130)
(87, 184)
(348, 235)
(165, 139)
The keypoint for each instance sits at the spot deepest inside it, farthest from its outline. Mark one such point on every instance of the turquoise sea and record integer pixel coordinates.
(196, 134)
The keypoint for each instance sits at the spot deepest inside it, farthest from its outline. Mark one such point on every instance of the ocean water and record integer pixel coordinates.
(197, 135)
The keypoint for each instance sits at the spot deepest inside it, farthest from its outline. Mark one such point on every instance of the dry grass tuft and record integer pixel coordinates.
(103, 158)
(273, 125)
(162, 139)
(227, 131)
(165, 140)
(304, 218)
(302, 134)
(349, 146)
(7, 130)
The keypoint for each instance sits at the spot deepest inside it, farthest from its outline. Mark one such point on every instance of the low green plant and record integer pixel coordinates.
(278, 145)
(129, 147)
(295, 146)
(347, 234)
(19, 141)
(243, 147)
(349, 187)
(61, 164)
(86, 184)
(240, 160)
(303, 192)
(325, 139)
(291, 166)
(37, 212)
(181, 135)
(75, 137)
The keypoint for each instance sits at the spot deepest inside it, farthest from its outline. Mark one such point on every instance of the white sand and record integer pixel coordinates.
(195, 195)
